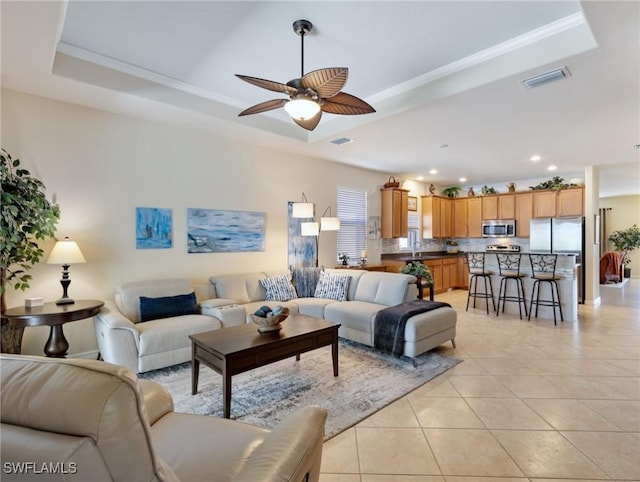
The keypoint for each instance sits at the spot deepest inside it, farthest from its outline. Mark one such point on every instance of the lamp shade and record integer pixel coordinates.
(302, 210)
(66, 252)
(309, 229)
(302, 109)
(329, 224)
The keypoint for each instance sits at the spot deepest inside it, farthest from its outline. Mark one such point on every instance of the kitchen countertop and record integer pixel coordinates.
(420, 257)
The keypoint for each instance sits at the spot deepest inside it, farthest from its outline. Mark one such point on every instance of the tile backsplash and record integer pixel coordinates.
(390, 246)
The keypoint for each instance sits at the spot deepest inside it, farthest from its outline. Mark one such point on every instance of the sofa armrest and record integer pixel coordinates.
(117, 337)
(292, 450)
(157, 400)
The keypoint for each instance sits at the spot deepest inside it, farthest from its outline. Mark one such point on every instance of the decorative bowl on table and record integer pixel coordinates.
(269, 320)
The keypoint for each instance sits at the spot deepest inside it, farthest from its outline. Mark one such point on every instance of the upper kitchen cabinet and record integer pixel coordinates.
(544, 204)
(563, 203)
(474, 211)
(437, 217)
(461, 218)
(499, 206)
(524, 213)
(394, 215)
(571, 202)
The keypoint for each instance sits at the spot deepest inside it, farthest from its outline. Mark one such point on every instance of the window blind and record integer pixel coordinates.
(352, 211)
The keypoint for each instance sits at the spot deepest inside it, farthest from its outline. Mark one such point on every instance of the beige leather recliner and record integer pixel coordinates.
(85, 420)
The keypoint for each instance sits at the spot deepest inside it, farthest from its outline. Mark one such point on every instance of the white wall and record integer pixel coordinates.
(101, 166)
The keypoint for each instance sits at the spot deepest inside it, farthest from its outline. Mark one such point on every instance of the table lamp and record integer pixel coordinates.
(65, 252)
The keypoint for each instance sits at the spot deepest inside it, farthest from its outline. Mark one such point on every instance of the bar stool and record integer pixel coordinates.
(509, 266)
(476, 270)
(543, 270)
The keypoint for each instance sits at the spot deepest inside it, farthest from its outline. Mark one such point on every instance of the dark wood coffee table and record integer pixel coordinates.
(237, 349)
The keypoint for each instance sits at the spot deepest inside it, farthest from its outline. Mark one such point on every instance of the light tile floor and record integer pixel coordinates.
(531, 401)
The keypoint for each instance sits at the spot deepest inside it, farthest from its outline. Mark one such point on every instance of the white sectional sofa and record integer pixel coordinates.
(230, 299)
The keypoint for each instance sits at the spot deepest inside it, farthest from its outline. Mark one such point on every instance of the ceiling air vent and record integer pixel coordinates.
(546, 77)
(341, 140)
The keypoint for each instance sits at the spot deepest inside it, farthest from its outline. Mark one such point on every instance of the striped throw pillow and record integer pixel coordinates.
(332, 286)
(279, 288)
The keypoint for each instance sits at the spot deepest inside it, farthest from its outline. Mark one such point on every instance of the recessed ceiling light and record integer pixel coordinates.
(552, 168)
(420, 178)
(535, 158)
(463, 179)
(433, 171)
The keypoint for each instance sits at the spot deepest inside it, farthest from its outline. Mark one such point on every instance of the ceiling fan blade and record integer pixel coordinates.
(269, 84)
(326, 82)
(310, 123)
(346, 104)
(264, 106)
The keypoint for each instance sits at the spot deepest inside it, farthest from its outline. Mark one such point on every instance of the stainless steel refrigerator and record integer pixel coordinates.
(562, 236)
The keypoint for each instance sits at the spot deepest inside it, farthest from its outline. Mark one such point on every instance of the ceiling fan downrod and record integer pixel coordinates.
(302, 27)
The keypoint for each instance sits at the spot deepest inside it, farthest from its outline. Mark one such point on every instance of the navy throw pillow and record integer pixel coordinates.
(167, 306)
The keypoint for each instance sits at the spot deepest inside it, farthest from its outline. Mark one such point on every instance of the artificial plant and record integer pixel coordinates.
(626, 240)
(452, 191)
(27, 216)
(421, 272)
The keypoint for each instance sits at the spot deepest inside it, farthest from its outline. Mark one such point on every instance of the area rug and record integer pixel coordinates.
(368, 381)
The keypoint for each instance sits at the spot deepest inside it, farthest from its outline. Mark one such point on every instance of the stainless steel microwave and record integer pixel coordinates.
(499, 228)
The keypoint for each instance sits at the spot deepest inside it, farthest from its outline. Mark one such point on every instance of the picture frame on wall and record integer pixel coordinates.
(412, 203)
(154, 228)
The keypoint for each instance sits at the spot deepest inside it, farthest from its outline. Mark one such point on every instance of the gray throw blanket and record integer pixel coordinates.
(389, 324)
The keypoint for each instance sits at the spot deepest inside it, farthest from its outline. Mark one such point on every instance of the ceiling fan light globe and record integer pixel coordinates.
(302, 109)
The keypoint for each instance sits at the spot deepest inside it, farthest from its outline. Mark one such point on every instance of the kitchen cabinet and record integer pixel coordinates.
(437, 215)
(462, 273)
(506, 206)
(474, 213)
(461, 218)
(449, 273)
(499, 206)
(435, 266)
(570, 202)
(394, 213)
(490, 207)
(523, 213)
(566, 202)
(544, 204)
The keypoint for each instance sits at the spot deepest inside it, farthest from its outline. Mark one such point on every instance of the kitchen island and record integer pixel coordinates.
(450, 271)
(566, 269)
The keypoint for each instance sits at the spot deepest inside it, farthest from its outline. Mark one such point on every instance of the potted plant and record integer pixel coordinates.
(421, 272)
(27, 216)
(626, 240)
(485, 190)
(344, 257)
(555, 183)
(452, 191)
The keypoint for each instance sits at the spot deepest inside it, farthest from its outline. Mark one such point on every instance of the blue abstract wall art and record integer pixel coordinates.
(153, 228)
(217, 231)
(302, 249)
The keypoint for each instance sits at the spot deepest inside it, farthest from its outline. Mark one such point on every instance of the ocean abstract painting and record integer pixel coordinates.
(216, 231)
(302, 249)
(153, 228)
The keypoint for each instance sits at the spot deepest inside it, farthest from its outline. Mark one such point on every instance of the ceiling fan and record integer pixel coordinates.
(311, 94)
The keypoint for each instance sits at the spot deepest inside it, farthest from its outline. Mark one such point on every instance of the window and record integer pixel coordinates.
(352, 211)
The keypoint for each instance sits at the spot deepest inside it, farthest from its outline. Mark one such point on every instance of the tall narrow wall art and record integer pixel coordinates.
(302, 249)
